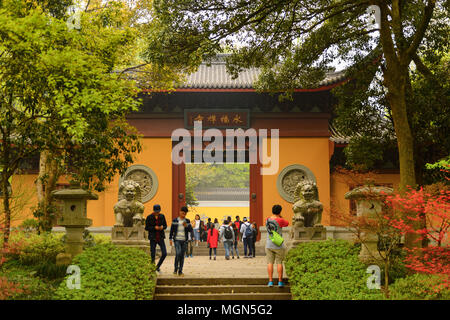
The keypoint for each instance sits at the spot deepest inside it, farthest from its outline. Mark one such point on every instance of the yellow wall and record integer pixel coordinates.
(310, 152)
(155, 154)
(24, 197)
(340, 186)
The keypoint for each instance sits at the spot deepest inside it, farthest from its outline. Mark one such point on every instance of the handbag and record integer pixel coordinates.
(276, 238)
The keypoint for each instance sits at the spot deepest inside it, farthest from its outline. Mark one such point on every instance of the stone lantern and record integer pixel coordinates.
(74, 217)
(369, 203)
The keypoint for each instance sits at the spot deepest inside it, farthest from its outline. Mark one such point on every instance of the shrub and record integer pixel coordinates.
(420, 287)
(25, 279)
(9, 289)
(328, 270)
(29, 225)
(41, 248)
(109, 272)
(91, 240)
(49, 270)
(100, 239)
(32, 249)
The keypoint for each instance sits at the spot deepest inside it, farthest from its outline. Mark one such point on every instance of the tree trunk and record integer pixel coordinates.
(405, 142)
(397, 101)
(45, 184)
(6, 209)
(386, 277)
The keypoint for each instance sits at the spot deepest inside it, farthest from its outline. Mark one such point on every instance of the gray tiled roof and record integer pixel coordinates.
(338, 137)
(215, 76)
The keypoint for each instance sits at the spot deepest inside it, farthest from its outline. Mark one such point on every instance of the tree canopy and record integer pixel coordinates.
(65, 91)
(296, 42)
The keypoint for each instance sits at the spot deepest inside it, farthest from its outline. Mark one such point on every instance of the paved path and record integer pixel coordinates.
(202, 267)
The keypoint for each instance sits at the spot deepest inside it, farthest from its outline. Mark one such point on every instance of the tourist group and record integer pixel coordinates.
(185, 234)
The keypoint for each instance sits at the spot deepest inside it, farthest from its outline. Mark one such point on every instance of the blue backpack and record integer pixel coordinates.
(248, 231)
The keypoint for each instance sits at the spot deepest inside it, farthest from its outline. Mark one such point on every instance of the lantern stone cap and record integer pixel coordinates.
(368, 191)
(74, 193)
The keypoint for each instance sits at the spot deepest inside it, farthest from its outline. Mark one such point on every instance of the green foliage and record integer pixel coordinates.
(29, 225)
(208, 175)
(419, 287)
(50, 270)
(40, 248)
(294, 43)
(397, 268)
(109, 272)
(101, 239)
(441, 164)
(26, 278)
(91, 240)
(363, 152)
(328, 270)
(45, 217)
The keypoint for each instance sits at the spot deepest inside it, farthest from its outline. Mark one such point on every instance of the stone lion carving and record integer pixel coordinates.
(129, 209)
(307, 209)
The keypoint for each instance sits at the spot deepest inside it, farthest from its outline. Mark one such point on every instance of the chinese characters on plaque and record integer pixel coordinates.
(217, 118)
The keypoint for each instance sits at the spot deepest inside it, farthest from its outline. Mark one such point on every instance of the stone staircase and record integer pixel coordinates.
(184, 288)
(203, 250)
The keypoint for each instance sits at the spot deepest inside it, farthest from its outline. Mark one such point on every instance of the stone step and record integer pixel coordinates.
(207, 289)
(188, 281)
(224, 296)
(187, 288)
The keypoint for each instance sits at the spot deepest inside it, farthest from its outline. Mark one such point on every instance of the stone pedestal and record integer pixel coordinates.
(132, 237)
(369, 253)
(74, 240)
(370, 204)
(74, 219)
(307, 234)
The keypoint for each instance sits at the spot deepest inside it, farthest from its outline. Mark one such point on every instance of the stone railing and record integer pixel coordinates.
(332, 233)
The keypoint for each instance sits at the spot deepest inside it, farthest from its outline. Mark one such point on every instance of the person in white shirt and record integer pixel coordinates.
(197, 224)
(247, 238)
(179, 231)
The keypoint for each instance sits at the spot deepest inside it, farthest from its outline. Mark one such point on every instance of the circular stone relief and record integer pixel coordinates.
(146, 179)
(288, 179)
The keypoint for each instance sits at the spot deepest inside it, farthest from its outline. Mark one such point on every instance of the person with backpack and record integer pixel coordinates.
(179, 231)
(236, 240)
(155, 224)
(226, 235)
(255, 236)
(213, 238)
(247, 237)
(275, 246)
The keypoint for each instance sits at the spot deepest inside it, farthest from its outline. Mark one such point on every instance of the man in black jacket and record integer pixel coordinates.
(155, 224)
(179, 231)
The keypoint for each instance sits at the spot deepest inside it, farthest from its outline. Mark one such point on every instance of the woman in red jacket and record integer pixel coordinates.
(213, 237)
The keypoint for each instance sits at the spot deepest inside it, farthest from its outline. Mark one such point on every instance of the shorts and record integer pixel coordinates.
(275, 255)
